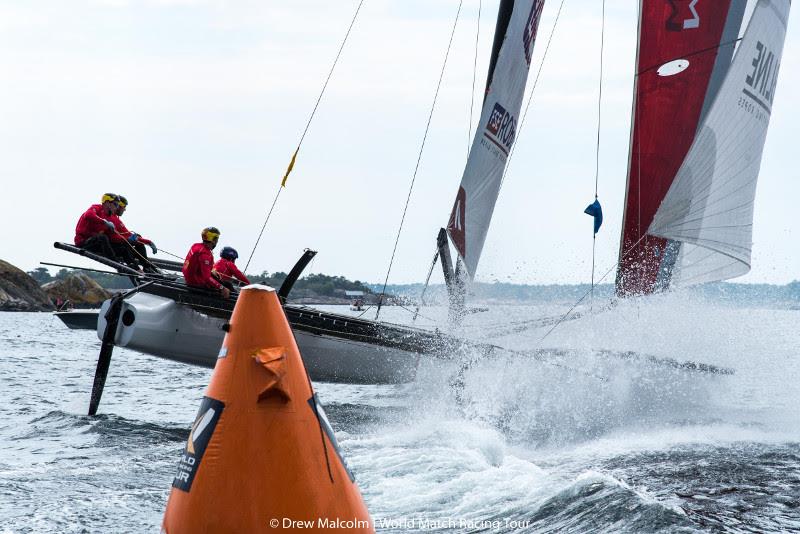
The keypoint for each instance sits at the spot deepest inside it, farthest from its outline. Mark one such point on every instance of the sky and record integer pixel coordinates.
(193, 108)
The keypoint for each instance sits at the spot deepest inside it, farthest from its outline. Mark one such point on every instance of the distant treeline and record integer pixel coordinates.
(507, 292)
(334, 286)
(311, 285)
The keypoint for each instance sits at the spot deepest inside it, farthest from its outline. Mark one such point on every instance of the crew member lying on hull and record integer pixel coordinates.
(95, 228)
(226, 268)
(130, 243)
(199, 262)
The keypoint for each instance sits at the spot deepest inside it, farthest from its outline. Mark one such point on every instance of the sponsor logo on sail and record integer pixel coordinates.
(501, 128)
(199, 437)
(531, 27)
(684, 15)
(759, 83)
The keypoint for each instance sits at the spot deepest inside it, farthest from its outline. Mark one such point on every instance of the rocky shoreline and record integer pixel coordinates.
(21, 293)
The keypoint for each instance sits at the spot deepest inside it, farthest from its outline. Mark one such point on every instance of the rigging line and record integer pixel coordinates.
(339, 53)
(305, 130)
(263, 227)
(137, 252)
(425, 287)
(82, 269)
(591, 288)
(597, 148)
(695, 53)
(599, 100)
(561, 319)
(419, 159)
(474, 73)
(168, 253)
(530, 97)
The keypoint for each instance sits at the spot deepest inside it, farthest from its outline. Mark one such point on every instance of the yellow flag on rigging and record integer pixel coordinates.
(289, 168)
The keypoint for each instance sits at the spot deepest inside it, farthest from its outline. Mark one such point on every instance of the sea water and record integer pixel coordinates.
(594, 432)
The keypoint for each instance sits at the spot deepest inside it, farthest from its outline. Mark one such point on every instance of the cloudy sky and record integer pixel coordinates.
(192, 109)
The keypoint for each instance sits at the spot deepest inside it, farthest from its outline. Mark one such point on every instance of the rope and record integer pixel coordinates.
(474, 73)
(530, 97)
(263, 227)
(143, 258)
(419, 158)
(305, 130)
(561, 319)
(425, 287)
(597, 148)
(599, 100)
(168, 253)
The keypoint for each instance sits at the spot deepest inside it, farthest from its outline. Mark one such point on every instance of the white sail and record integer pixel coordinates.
(480, 184)
(709, 207)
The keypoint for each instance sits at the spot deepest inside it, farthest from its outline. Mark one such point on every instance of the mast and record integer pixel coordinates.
(503, 18)
(684, 51)
(515, 36)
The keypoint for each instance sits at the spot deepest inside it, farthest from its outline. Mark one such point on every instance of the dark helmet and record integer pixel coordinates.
(210, 234)
(122, 201)
(229, 253)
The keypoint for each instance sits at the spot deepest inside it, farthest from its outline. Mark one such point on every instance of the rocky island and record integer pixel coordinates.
(20, 292)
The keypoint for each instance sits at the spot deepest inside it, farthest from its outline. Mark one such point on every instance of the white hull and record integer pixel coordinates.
(161, 327)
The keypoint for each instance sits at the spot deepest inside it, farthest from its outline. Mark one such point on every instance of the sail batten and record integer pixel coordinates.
(480, 184)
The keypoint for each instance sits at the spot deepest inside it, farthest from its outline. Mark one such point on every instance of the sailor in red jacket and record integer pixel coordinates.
(226, 266)
(95, 228)
(200, 261)
(130, 242)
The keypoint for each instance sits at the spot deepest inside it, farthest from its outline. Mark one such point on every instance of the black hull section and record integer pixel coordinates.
(79, 319)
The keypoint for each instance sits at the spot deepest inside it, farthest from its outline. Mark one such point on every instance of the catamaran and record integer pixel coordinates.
(698, 129)
(163, 317)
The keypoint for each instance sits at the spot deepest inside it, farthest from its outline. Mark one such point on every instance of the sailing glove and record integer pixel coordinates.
(109, 224)
(153, 247)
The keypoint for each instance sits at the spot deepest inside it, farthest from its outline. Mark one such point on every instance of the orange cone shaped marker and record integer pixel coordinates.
(261, 455)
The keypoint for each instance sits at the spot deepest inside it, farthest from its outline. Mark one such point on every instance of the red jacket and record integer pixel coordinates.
(123, 234)
(197, 267)
(228, 270)
(91, 224)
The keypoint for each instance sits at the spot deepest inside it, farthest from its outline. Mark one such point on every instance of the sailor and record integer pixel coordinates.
(200, 262)
(95, 228)
(131, 243)
(226, 267)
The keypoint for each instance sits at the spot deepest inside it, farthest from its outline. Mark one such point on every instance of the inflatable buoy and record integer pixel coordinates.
(261, 455)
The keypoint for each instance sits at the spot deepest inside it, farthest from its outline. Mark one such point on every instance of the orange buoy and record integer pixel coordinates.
(261, 455)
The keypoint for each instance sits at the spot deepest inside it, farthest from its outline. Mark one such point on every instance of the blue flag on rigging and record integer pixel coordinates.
(595, 211)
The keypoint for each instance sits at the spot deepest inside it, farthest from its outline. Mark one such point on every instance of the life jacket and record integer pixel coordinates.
(197, 267)
(91, 223)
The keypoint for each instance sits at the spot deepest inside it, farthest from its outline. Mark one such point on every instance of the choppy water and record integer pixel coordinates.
(574, 443)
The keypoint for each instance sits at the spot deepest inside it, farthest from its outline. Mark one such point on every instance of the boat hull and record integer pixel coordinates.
(162, 327)
(78, 319)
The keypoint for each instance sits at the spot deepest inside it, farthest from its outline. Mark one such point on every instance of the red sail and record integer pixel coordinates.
(680, 66)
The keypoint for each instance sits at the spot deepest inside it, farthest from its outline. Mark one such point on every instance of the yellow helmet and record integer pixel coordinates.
(210, 234)
(109, 197)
